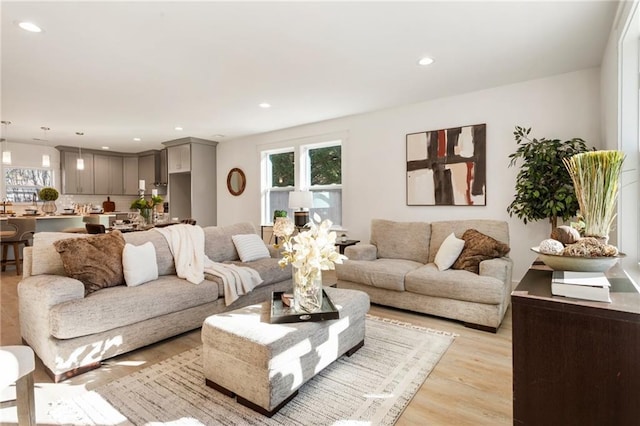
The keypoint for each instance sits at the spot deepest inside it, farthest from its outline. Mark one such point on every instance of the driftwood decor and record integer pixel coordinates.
(447, 167)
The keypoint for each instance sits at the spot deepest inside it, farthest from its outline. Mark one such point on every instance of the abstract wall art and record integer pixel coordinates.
(447, 167)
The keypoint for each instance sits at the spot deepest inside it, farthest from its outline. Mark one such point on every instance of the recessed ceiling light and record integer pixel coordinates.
(105, 147)
(264, 105)
(137, 139)
(218, 136)
(29, 26)
(178, 128)
(425, 61)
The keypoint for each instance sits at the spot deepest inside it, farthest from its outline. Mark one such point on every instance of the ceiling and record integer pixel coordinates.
(122, 70)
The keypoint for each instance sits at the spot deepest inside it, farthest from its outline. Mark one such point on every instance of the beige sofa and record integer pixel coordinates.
(72, 333)
(396, 269)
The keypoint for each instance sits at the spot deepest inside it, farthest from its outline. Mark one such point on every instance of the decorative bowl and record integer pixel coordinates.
(558, 262)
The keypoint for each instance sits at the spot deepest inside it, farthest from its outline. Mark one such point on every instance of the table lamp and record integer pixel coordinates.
(300, 200)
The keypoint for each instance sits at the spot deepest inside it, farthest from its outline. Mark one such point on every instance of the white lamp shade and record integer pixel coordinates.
(80, 164)
(46, 160)
(300, 200)
(6, 157)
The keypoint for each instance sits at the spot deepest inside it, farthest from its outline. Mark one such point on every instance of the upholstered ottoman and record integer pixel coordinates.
(264, 364)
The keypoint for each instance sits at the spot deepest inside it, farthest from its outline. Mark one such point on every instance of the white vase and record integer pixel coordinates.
(307, 291)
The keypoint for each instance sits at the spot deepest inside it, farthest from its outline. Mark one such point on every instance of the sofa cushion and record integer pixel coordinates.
(250, 247)
(218, 242)
(121, 306)
(455, 284)
(478, 247)
(401, 240)
(268, 268)
(46, 259)
(448, 252)
(164, 258)
(95, 260)
(498, 229)
(139, 264)
(382, 273)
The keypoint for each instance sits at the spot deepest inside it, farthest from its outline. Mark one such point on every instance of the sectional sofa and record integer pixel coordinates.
(72, 333)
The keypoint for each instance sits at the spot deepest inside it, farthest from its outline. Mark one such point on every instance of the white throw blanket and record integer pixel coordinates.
(237, 280)
(186, 243)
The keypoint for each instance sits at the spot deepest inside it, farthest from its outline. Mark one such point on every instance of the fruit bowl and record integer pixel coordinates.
(558, 262)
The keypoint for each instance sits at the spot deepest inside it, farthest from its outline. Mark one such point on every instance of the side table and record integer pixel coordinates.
(344, 244)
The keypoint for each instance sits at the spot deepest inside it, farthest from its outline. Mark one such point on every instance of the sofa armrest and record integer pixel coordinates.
(274, 252)
(361, 252)
(500, 268)
(49, 290)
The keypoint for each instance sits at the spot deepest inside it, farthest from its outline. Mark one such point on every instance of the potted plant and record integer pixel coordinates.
(544, 189)
(145, 207)
(596, 179)
(48, 195)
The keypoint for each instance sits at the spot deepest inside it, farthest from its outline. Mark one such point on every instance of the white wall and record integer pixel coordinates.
(374, 156)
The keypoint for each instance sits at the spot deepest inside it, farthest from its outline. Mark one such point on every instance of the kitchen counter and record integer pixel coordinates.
(57, 223)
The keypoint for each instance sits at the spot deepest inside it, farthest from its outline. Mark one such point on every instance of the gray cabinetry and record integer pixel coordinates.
(108, 175)
(130, 175)
(192, 182)
(76, 181)
(147, 171)
(179, 158)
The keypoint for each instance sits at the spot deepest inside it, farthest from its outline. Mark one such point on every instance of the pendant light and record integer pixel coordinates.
(6, 154)
(46, 159)
(80, 161)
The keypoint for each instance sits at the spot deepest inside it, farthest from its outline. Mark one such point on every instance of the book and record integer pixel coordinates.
(593, 279)
(581, 285)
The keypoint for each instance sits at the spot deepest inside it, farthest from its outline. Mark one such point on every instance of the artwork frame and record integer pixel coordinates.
(447, 167)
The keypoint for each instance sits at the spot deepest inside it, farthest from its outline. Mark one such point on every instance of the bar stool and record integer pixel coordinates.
(95, 228)
(188, 221)
(15, 232)
(18, 364)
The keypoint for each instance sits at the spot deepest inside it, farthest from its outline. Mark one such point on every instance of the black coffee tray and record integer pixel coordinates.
(282, 314)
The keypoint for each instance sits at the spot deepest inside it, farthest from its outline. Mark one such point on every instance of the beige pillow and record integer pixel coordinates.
(448, 252)
(478, 247)
(95, 260)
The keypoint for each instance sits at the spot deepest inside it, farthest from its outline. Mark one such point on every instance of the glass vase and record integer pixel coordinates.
(307, 290)
(147, 215)
(49, 207)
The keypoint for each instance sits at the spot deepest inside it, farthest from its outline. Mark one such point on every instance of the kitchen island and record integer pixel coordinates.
(57, 223)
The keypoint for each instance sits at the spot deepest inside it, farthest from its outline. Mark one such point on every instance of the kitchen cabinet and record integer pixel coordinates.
(108, 174)
(76, 181)
(130, 175)
(179, 158)
(150, 170)
(192, 186)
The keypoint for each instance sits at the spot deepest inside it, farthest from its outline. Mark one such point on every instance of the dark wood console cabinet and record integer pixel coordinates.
(575, 362)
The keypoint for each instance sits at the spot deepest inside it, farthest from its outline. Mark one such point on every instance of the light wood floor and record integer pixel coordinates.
(471, 385)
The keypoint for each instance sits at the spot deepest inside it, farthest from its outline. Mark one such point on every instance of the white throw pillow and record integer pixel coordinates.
(139, 263)
(448, 252)
(250, 247)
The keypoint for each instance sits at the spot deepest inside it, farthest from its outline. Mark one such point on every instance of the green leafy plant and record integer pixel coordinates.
(48, 194)
(596, 179)
(544, 189)
(141, 203)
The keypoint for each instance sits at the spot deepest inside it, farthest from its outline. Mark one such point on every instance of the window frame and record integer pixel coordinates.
(302, 168)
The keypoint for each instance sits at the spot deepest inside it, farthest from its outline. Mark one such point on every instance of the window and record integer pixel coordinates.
(312, 167)
(22, 184)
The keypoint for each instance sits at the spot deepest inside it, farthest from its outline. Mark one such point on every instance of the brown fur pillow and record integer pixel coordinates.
(95, 260)
(478, 247)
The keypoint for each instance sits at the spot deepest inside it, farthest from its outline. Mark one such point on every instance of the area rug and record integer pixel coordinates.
(372, 387)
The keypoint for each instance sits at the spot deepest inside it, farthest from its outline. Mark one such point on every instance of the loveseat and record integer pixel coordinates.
(397, 269)
(73, 333)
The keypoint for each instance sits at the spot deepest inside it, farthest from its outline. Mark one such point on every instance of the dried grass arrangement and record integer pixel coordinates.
(596, 177)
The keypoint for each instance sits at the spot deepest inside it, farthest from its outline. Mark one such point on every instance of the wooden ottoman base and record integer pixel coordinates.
(263, 365)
